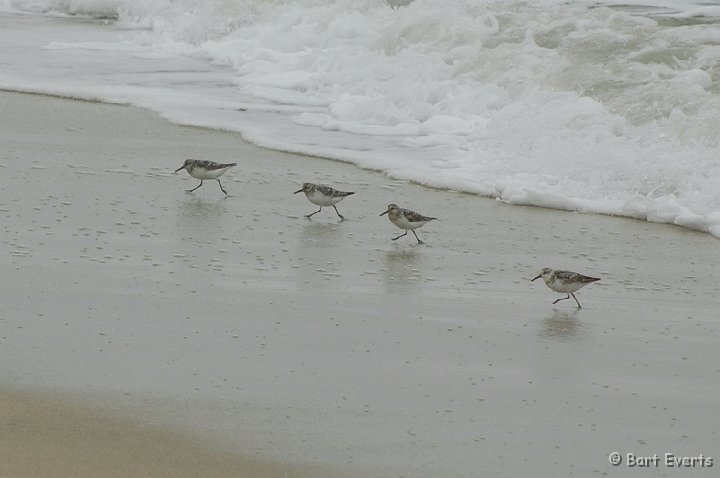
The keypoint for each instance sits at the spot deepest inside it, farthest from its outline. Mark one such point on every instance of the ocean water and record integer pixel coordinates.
(590, 106)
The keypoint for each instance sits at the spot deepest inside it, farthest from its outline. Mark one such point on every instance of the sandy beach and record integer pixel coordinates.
(234, 334)
(49, 437)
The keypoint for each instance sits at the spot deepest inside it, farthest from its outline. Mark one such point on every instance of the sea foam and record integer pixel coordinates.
(581, 107)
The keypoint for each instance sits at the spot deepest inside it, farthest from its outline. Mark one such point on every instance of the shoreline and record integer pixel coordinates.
(242, 325)
(690, 221)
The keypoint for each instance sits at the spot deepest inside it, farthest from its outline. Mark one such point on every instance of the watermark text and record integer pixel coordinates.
(666, 460)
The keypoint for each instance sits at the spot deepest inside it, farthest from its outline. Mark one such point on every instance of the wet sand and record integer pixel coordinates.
(238, 325)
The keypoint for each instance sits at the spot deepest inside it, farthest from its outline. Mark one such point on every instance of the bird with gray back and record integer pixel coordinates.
(565, 282)
(201, 169)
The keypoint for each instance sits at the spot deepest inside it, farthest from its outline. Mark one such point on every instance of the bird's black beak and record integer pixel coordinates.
(298, 191)
(181, 167)
(385, 213)
(536, 277)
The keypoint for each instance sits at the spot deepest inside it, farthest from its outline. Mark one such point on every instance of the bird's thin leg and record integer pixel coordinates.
(401, 235)
(562, 298)
(312, 214)
(418, 239)
(221, 188)
(341, 216)
(578, 303)
(193, 189)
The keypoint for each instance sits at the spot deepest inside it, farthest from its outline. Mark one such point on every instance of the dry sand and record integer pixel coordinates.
(42, 437)
(237, 325)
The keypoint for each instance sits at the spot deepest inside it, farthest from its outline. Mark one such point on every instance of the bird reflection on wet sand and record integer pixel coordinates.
(562, 325)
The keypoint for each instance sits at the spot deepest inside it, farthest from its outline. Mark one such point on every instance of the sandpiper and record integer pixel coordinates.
(201, 169)
(322, 195)
(565, 282)
(406, 219)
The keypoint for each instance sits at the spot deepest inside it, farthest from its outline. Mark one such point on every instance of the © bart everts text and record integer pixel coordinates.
(667, 460)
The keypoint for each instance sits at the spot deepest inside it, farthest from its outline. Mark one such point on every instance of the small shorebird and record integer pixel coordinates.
(565, 282)
(200, 169)
(322, 195)
(406, 219)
